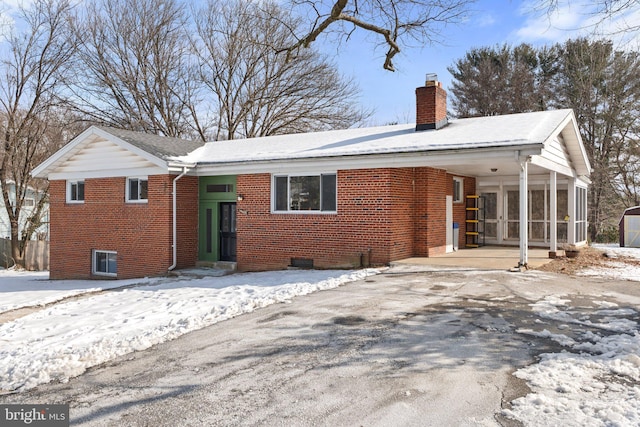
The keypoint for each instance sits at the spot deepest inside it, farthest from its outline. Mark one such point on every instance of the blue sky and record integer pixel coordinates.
(492, 23)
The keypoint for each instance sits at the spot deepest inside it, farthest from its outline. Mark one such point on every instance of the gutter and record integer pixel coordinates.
(174, 244)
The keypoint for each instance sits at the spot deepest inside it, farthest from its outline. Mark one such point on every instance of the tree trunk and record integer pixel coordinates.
(17, 247)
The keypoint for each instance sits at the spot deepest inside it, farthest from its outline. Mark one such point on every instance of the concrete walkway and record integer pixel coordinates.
(485, 258)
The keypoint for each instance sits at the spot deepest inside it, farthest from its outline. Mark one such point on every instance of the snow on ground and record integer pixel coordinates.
(63, 340)
(29, 289)
(594, 381)
(616, 270)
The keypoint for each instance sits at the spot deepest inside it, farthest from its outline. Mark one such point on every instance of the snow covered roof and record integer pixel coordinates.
(549, 138)
(481, 132)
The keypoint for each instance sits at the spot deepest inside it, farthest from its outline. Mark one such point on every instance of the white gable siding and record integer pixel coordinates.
(555, 157)
(102, 158)
(556, 151)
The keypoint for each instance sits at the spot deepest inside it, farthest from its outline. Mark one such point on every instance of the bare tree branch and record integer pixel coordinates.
(255, 91)
(398, 22)
(133, 67)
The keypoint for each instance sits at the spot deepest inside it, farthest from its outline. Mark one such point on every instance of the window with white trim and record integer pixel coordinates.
(104, 263)
(75, 191)
(137, 189)
(304, 193)
(458, 190)
(581, 214)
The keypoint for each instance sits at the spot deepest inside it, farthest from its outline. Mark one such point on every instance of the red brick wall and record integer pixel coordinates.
(141, 234)
(269, 241)
(383, 215)
(187, 221)
(394, 213)
(432, 186)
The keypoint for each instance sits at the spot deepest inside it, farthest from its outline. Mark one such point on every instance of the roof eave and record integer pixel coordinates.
(355, 161)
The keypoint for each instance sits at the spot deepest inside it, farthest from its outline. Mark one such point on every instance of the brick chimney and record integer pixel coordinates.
(431, 105)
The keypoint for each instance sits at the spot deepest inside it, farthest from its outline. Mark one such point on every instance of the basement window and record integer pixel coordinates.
(137, 190)
(75, 191)
(105, 263)
(305, 193)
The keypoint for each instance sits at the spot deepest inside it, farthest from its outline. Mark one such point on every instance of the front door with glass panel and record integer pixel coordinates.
(227, 232)
(491, 218)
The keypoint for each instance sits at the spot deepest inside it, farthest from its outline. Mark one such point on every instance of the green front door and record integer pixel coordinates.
(217, 218)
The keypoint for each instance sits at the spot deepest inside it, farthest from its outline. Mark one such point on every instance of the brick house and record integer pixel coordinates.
(127, 204)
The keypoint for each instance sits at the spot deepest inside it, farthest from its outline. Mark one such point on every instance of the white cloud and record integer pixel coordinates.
(573, 19)
(486, 20)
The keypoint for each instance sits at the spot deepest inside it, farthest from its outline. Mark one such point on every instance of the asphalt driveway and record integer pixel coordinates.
(413, 346)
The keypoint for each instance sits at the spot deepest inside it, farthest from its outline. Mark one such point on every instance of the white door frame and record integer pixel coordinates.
(449, 224)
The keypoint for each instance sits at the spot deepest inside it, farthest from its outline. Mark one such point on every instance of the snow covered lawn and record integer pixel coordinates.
(617, 269)
(65, 339)
(595, 380)
(29, 289)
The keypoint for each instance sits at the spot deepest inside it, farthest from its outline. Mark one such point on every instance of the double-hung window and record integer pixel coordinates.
(75, 191)
(105, 263)
(137, 190)
(305, 193)
(458, 190)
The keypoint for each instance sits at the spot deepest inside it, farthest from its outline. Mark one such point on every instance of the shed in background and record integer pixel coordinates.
(630, 228)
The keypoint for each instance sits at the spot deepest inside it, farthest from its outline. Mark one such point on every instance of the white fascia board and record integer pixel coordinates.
(179, 167)
(552, 166)
(108, 173)
(42, 171)
(583, 151)
(438, 159)
(574, 144)
(514, 180)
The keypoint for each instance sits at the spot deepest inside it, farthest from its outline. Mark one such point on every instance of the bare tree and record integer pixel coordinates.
(133, 67)
(256, 92)
(600, 12)
(396, 23)
(37, 54)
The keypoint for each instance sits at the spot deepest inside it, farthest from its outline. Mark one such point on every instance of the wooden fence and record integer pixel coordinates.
(36, 259)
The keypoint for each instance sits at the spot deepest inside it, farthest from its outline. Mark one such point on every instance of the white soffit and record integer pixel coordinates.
(102, 158)
(97, 154)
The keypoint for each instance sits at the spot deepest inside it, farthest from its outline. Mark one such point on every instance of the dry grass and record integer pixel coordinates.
(588, 257)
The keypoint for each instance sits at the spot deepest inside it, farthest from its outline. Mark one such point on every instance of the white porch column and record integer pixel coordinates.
(553, 211)
(524, 213)
(571, 211)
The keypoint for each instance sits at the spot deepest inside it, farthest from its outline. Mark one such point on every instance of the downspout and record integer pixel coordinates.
(175, 221)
